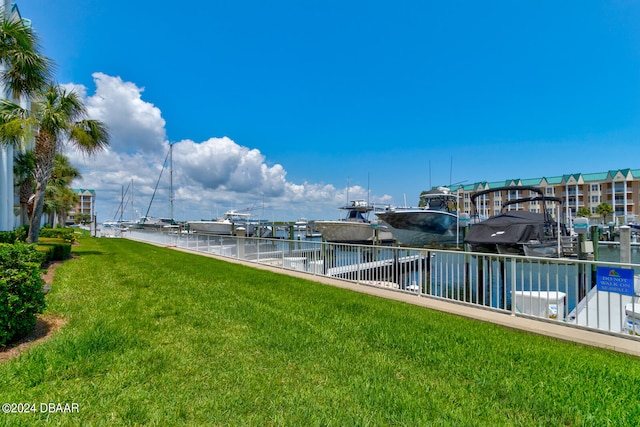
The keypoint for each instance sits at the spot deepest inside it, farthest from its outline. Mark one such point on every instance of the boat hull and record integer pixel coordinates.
(421, 227)
(352, 232)
(211, 227)
(221, 228)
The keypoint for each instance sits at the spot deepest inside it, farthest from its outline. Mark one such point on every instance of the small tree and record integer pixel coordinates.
(59, 197)
(82, 218)
(604, 209)
(583, 212)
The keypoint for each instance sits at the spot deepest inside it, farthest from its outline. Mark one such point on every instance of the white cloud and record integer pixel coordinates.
(134, 124)
(209, 177)
(221, 164)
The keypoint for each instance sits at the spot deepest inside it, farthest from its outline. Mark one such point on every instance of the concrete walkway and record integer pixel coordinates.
(561, 331)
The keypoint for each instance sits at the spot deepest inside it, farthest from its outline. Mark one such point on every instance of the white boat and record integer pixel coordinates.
(112, 229)
(232, 222)
(355, 227)
(302, 224)
(434, 223)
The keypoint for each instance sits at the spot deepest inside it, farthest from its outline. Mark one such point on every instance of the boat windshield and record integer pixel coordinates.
(444, 202)
(354, 215)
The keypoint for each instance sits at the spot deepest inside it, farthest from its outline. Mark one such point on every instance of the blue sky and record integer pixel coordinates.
(281, 104)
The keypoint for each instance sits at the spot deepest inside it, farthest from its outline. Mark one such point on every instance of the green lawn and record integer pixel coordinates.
(160, 337)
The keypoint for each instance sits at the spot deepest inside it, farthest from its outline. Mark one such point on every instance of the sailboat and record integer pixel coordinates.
(148, 222)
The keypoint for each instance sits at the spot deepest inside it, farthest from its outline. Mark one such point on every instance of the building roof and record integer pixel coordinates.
(578, 178)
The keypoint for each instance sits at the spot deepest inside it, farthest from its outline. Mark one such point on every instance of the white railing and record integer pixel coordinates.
(562, 290)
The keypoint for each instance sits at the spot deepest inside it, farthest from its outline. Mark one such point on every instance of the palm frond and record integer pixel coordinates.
(58, 109)
(26, 70)
(90, 136)
(14, 123)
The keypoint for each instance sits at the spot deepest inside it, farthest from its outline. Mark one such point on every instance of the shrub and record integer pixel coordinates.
(8, 236)
(17, 235)
(21, 296)
(54, 249)
(59, 233)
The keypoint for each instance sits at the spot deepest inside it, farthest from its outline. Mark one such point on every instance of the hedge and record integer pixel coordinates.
(60, 233)
(17, 235)
(54, 249)
(21, 295)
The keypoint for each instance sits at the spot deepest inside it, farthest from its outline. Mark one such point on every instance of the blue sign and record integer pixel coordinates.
(618, 280)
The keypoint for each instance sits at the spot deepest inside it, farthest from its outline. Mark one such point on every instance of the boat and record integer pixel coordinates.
(148, 222)
(232, 222)
(113, 228)
(306, 228)
(520, 232)
(301, 224)
(356, 227)
(434, 222)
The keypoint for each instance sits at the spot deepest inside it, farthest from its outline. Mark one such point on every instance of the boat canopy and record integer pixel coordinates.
(439, 199)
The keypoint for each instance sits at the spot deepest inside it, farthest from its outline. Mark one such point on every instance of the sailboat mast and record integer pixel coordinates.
(369, 199)
(171, 181)
(121, 202)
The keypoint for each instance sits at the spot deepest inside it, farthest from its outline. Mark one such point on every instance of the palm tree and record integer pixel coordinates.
(57, 202)
(23, 167)
(583, 212)
(25, 71)
(604, 209)
(59, 116)
(59, 197)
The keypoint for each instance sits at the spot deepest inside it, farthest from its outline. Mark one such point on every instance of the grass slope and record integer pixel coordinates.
(160, 337)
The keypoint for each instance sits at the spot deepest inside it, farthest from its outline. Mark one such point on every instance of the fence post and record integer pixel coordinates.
(582, 280)
(514, 273)
(625, 244)
(595, 239)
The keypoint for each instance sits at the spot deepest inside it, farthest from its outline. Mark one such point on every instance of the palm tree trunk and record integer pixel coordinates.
(45, 152)
(38, 205)
(26, 190)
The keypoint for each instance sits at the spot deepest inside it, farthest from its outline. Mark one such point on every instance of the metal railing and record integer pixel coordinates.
(565, 290)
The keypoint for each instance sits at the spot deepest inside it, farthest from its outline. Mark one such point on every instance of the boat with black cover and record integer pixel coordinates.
(520, 232)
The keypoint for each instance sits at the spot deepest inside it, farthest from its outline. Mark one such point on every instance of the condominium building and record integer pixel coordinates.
(618, 188)
(85, 206)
